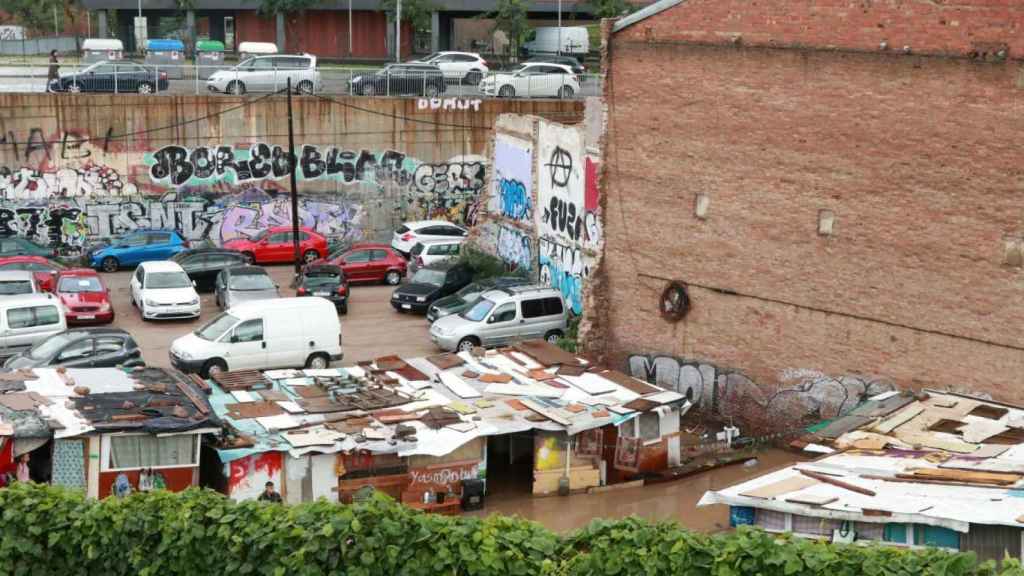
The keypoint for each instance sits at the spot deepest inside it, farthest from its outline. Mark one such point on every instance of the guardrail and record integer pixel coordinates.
(131, 77)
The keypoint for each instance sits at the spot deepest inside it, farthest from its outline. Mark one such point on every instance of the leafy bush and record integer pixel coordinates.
(50, 530)
(568, 342)
(485, 265)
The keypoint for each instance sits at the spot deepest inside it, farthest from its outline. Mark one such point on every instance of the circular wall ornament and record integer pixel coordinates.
(675, 302)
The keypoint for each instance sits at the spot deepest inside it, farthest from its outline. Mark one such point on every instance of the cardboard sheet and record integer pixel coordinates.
(279, 422)
(457, 385)
(780, 487)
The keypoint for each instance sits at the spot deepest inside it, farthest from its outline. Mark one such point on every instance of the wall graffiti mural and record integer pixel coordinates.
(89, 180)
(565, 268)
(512, 196)
(803, 393)
(514, 248)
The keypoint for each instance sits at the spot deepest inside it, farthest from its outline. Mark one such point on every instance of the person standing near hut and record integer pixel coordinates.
(52, 74)
(22, 473)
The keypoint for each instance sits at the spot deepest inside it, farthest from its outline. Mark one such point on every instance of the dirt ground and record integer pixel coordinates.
(371, 328)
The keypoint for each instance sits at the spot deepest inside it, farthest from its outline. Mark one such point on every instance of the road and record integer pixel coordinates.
(371, 328)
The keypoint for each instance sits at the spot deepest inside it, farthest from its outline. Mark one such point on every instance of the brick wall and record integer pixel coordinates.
(919, 159)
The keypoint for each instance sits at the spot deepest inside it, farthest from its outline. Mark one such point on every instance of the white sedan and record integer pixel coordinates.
(161, 289)
(538, 79)
(466, 67)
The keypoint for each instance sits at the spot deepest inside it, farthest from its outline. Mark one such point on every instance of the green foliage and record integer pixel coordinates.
(569, 342)
(37, 15)
(485, 265)
(510, 16)
(287, 6)
(416, 12)
(609, 8)
(50, 530)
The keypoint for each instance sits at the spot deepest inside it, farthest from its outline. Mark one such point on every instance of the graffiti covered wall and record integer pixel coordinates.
(71, 174)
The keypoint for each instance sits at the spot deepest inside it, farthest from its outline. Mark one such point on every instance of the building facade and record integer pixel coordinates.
(836, 190)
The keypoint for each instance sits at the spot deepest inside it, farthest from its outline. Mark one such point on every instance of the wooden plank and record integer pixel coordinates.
(936, 482)
(549, 413)
(811, 499)
(837, 482)
(899, 418)
(199, 401)
(969, 476)
(785, 486)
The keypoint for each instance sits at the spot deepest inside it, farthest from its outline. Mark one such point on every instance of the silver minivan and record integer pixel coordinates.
(502, 316)
(27, 319)
(268, 74)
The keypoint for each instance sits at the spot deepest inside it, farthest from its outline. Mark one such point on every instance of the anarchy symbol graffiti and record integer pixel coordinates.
(560, 166)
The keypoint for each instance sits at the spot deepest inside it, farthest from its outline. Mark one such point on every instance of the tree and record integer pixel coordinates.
(510, 17)
(416, 12)
(37, 15)
(286, 6)
(609, 8)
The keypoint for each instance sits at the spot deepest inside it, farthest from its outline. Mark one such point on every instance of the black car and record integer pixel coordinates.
(469, 294)
(429, 284)
(327, 281)
(203, 264)
(81, 348)
(112, 76)
(575, 65)
(401, 79)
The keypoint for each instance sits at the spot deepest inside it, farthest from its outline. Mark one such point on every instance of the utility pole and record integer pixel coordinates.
(294, 165)
(398, 32)
(349, 28)
(559, 52)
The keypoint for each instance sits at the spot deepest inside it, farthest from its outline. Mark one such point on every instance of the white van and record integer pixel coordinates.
(263, 334)
(28, 319)
(544, 40)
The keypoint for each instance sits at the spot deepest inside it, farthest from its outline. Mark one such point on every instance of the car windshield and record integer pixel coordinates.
(217, 327)
(470, 292)
(428, 277)
(432, 57)
(167, 280)
(244, 64)
(245, 282)
(260, 236)
(75, 284)
(8, 287)
(478, 311)
(47, 348)
(519, 68)
(321, 279)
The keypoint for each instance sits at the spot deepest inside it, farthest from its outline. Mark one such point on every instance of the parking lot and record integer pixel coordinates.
(371, 328)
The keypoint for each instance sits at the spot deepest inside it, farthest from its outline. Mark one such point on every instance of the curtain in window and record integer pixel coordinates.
(148, 451)
(770, 520)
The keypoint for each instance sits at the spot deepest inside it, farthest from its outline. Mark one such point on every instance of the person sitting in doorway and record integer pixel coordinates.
(22, 474)
(269, 495)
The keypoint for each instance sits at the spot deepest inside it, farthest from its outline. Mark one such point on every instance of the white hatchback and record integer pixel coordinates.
(411, 233)
(161, 289)
(467, 67)
(427, 252)
(532, 80)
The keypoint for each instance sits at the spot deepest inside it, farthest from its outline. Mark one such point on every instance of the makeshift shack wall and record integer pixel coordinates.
(7, 455)
(298, 481)
(176, 479)
(247, 476)
(992, 542)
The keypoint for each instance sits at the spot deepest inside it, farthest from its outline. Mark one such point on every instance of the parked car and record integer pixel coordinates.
(14, 282)
(427, 252)
(469, 294)
(85, 298)
(572, 40)
(19, 246)
(28, 319)
(112, 76)
(503, 316)
(575, 65)
(163, 290)
(429, 285)
(466, 67)
(366, 262)
(408, 234)
(243, 284)
(281, 333)
(204, 264)
(533, 80)
(134, 248)
(326, 281)
(81, 348)
(276, 245)
(44, 269)
(402, 80)
(268, 74)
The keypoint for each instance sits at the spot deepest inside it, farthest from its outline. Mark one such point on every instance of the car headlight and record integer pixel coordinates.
(149, 302)
(394, 296)
(421, 298)
(194, 301)
(104, 307)
(182, 354)
(441, 312)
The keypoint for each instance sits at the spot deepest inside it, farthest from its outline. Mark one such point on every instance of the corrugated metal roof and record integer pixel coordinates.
(644, 14)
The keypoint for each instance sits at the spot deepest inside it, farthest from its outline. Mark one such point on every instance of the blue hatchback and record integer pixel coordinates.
(135, 247)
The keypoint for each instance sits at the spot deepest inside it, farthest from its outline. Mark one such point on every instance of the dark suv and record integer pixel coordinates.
(469, 294)
(401, 79)
(429, 284)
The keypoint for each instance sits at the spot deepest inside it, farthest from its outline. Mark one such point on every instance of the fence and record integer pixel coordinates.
(37, 46)
(128, 77)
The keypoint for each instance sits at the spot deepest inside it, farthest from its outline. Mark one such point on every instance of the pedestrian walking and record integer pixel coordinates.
(52, 74)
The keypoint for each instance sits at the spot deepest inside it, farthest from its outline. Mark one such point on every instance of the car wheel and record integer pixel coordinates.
(304, 87)
(565, 92)
(507, 92)
(214, 366)
(473, 77)
(250, 258)
(553, 336)
(310, 256)
(74, 88)
(109, 264)
(430, 91)
(235, 87)
(318, 361)
(145, 88)
(467, 344)
(369, 90)
(392, 278)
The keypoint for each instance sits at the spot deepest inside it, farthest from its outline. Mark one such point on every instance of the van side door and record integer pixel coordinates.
(534, 316)
(246, 346)
(502, 326)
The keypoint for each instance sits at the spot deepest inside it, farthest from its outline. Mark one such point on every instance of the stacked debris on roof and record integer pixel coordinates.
(935, 458)
(426, 406)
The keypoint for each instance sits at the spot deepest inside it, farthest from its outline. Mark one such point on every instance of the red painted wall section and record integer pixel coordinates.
(324, 33)
(177, 479)
(253, 27)
(953, 27)
(7, 454)
(247, 476)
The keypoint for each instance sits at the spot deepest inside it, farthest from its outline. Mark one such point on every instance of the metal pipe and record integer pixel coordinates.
(398, 32)
(294, 165)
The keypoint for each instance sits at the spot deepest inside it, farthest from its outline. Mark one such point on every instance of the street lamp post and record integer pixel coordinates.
(559, 52)
(398, 32)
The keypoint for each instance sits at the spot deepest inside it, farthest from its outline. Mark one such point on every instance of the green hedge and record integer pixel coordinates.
(52, 531)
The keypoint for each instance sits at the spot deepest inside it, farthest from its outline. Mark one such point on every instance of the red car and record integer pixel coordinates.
(371, 263)
(85, 298)
(275, 245)
(43, 269)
